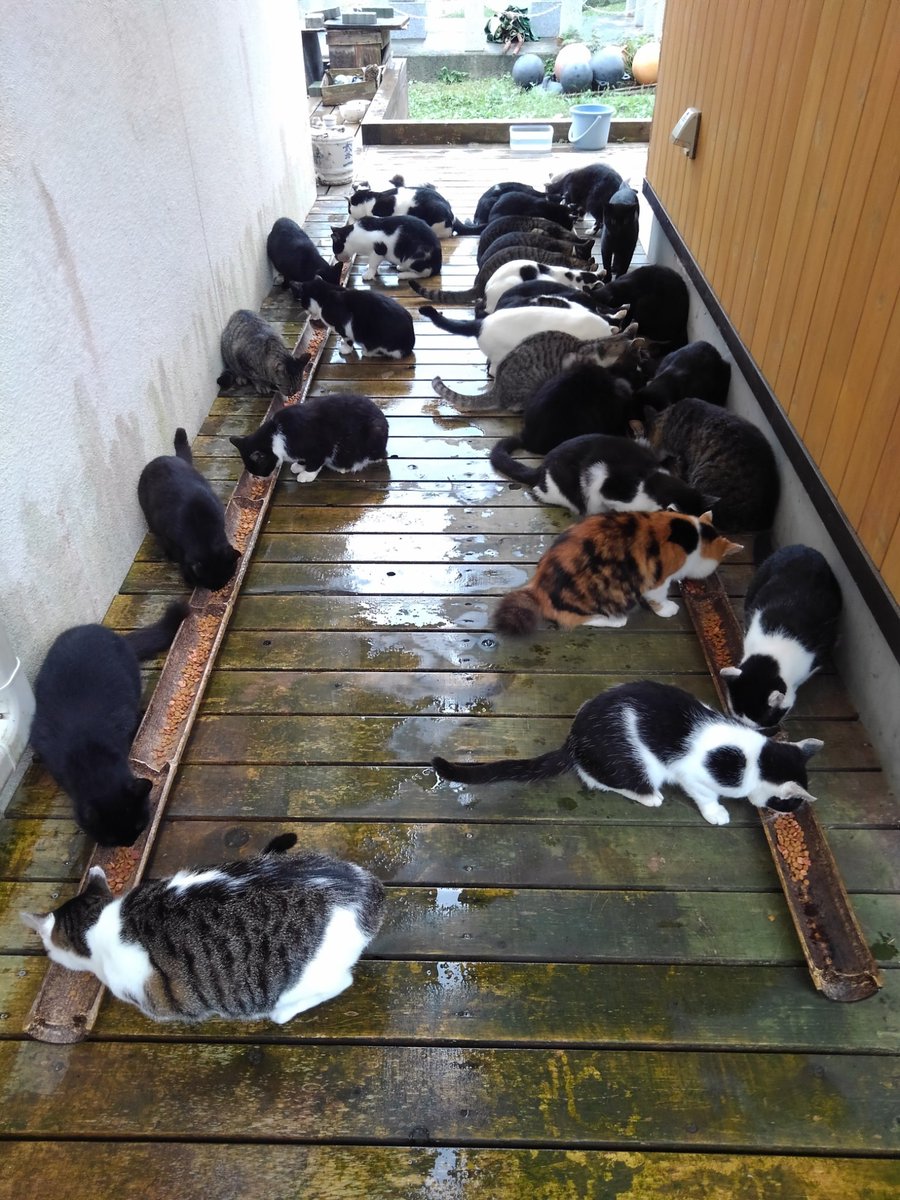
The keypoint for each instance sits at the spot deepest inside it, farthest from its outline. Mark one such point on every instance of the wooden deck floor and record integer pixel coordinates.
(572, 996)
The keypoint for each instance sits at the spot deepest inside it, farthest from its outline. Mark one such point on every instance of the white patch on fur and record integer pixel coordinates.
(549, 493)
(510, 275)
(279, 448)
(795, 662)
(301, 474)
(182, 880)
(502, 331)
(329, 971)
(124, 967)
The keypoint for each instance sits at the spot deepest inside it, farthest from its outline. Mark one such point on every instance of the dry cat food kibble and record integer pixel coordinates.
(121, 867)
(792, 845)
(244, 527)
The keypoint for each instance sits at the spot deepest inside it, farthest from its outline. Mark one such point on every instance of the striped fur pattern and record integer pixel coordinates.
(267, 937)
(534, 226)
(602, 566)
(540, 241)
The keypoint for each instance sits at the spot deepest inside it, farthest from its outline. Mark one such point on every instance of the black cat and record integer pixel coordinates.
(697, 369)
(295, 257)
(520, 204)
(585, 399)
(620, 231)
(586, 189)
(187, 518)
(487, 200)
(87, 711)
(658, 301)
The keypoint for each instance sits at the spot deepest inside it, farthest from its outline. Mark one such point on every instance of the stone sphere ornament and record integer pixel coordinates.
(608, 66)
(645, 64)
(576, 77)
(528, 71)
(575, 52)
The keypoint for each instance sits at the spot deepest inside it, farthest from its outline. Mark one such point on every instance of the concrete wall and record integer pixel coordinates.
(146, 149)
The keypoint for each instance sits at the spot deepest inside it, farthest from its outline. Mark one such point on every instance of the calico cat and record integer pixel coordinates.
(503, 330)
(187, 518)
(596, 473)
(600, 567)
(264, 937)
(374, 322)
(425, 202)
(658, 300)
(529, 259)
(585, 399)
(719, 452)
(342, 431)
(522, 271)
(638, 737)
(487, 200)
(295, 257)
(791, 616)
(87, 710)
(586, 189)
(254, 352)
(531, 226)
(697, 369)
(538, 241)
(520, 204)
(620, 231)
(539, 358)
(406, 242)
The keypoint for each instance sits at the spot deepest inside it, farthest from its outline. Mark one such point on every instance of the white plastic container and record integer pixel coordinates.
(530, 139)
(333, 154)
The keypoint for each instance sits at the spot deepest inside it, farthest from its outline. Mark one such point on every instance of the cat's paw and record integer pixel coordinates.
(716, 814)
(665, 608)
(304, 476)
(653, 800)
(345, 348)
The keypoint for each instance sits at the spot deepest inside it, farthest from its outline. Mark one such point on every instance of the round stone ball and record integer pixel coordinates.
(575, 52)
(551, 85)
(645, 64)
(528, 71)
(576, 77)
(608, 65)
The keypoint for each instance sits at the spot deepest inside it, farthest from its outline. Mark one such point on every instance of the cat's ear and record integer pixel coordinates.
(793, 791)
(730, 672)
(776, 699)
(140, 788)
(238, 443)
(706, 518)
(96, 882)
(710, 501)
(41, 923)
(809, 746)
(731, 548)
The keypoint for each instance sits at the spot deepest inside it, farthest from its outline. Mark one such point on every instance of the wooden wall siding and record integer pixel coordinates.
(791, 209)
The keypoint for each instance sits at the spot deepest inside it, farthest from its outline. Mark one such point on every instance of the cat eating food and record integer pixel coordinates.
(406, 242)
(295, 257)
(376, 323)
(87, 711)
(342, 431)
(187, 518)
(638, 737)
(791, 615)
(599, 568)
(254, 352)
(424, 202)
(657, 299)
(697, 369)
(261, 938)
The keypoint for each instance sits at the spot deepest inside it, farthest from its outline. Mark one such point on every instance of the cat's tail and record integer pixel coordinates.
(460, 399)
(442, 297)
(153, 639)
(466, 227)
(518, 613)
(182, 445)
(503, 461)
(544, 766)
(281, 843)
(471, 327)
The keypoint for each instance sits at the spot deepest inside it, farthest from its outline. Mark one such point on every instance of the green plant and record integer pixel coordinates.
(446, 75)
(631, 45)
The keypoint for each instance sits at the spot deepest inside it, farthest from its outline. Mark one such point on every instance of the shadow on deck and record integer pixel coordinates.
(572, 995)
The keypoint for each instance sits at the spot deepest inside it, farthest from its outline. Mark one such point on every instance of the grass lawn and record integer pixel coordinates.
(488, 98)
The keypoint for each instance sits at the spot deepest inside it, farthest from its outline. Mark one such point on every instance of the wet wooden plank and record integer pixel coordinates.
(524, 1097)
(441, 1173)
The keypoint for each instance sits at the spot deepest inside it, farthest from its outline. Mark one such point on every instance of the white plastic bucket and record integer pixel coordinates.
(530, 139)
(590, 126)
(333, 154)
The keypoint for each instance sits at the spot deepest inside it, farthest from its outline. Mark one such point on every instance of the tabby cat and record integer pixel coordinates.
(719, 452)
(596, 474)
(638, 737)
(539, 358)
(254, 352)
(599, 568)
(406, 242)
(262, 938)
(342, 431)
(538, 241)
(87, 710)
(791, 615)
(530, 226)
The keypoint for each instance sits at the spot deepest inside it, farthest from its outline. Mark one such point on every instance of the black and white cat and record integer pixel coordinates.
(620, 231)
(658, 301)
(539, 291)
(697, 369)
(294, 256)
(791, 616)
(587, 398)
(638, 737)
(525, 260)
(424, 202)
(343, 431)
(264, 937)
(521, 271)
(375, 323)
(254, 352)
(597, 473)
(501, 331)
(406, 242)
(87, 710)
(186, 517)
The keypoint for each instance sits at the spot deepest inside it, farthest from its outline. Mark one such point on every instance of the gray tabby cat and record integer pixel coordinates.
(492, 264)
(527, 225)
(254, 352)
(537, 359)
(267, 937)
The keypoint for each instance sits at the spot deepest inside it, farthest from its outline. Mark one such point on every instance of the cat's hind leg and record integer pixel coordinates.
(650, 798)
(373, 263)
(598, 621)
(296, 1000)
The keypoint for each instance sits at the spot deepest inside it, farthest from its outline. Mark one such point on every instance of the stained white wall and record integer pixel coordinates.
(146, 147)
